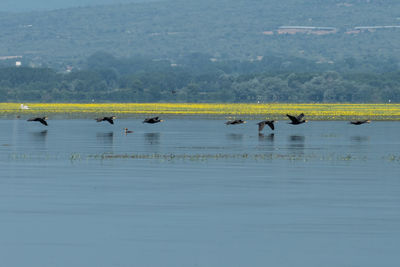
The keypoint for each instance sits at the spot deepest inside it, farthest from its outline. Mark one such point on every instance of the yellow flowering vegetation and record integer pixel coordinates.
(270, 110)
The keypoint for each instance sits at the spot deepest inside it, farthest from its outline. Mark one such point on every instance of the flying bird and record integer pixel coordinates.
(262, 124)
(152, 120)
(360, 122)
(296, 120)
(235, 122)
(41, 120)
(109, 119)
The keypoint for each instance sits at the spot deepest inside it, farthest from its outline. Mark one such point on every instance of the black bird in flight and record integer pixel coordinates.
(152, 120)
(360, 122)
(109, 119)
(235, 122)
(296, 120)
(262, 124)
(41, 120)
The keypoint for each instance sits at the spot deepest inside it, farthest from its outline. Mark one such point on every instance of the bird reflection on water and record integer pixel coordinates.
(39, 136)
(269, 137)
(105, 138)
(235, 137)
(359, 139)
(297, 138)
(296, 143)
(39, 139)
(152, 138)
(266, 142)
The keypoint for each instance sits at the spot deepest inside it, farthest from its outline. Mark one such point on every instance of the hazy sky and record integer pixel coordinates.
(29, 5)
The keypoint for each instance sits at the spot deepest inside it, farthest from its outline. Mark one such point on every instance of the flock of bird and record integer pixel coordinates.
(295, 120)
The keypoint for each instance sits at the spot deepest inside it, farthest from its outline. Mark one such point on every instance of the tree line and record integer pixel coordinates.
(104, 78)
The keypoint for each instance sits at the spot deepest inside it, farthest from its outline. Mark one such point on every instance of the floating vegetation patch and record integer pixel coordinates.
(170, 157)
(240, 156)
(246, 111)
(393, 158)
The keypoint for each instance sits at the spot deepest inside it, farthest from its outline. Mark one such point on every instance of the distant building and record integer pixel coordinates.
(353, 32)
(9, 57)
(306, 30)
(377, 27)
(68, 69)
(268, 33)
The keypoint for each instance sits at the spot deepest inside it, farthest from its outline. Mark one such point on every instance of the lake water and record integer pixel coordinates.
(194, 192)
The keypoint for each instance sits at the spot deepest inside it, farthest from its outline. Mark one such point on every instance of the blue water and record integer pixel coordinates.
(199, 193)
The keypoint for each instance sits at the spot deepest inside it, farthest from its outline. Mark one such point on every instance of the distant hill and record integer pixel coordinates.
(322, 30)
(29, 5)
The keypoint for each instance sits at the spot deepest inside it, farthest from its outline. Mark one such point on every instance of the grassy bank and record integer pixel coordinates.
(248, 111)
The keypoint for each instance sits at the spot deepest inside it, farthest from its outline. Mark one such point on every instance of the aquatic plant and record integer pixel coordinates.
(204, 157)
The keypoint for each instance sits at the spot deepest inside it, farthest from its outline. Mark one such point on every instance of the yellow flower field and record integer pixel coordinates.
(272, 110)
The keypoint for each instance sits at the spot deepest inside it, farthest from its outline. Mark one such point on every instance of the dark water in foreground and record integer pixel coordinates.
(199, 193)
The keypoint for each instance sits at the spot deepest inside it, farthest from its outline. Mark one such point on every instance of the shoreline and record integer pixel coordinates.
(278, 111)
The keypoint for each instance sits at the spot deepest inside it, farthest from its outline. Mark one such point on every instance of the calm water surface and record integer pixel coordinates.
(199, 193)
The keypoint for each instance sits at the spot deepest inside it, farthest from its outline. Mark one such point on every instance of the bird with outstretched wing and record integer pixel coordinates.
(41, 120)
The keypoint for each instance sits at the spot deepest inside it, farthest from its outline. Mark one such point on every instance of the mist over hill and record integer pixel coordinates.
(321, 30)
